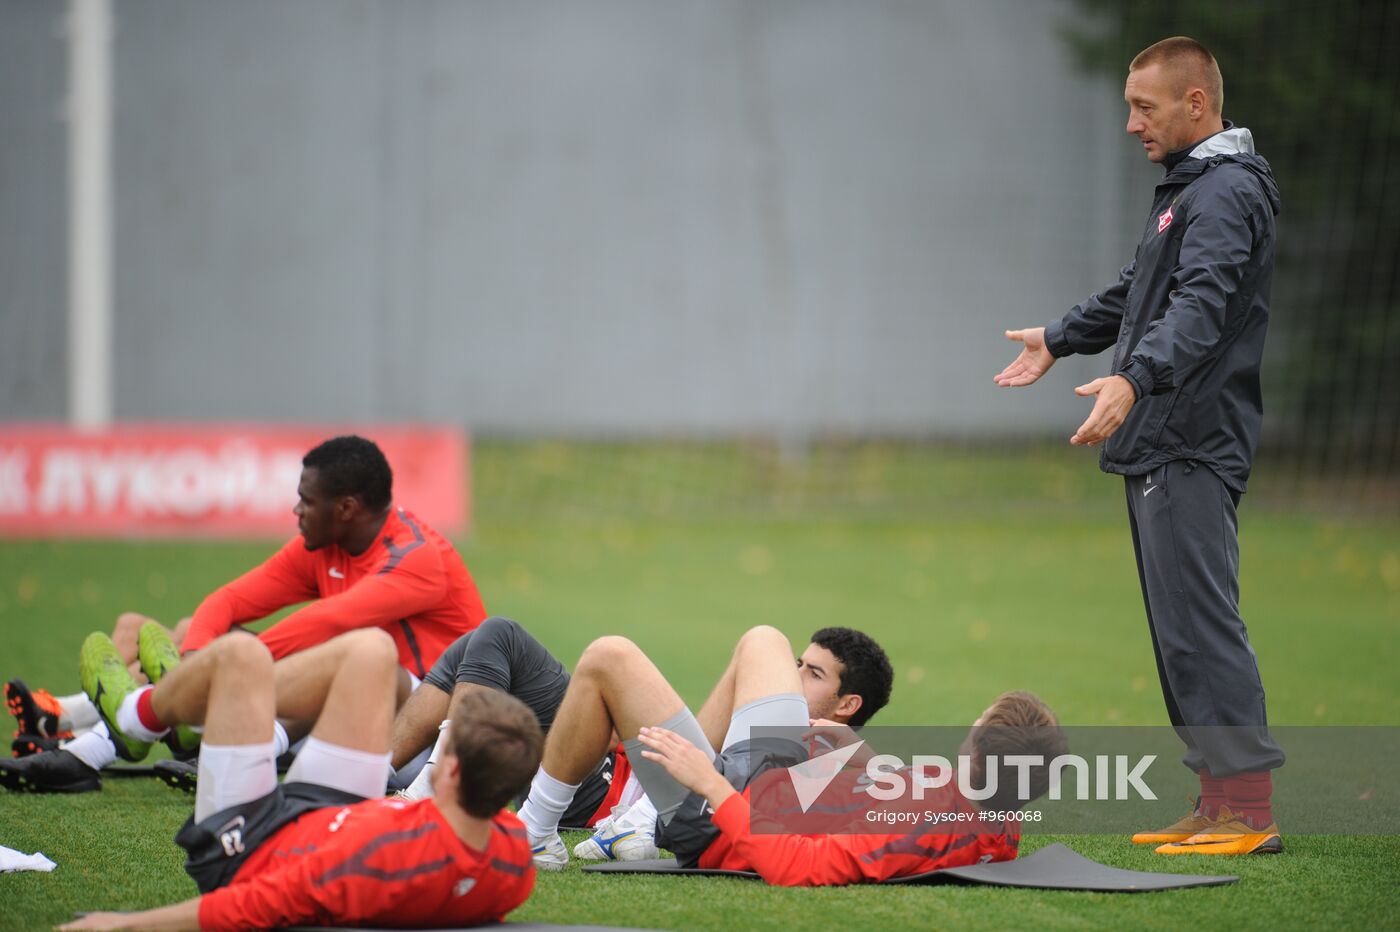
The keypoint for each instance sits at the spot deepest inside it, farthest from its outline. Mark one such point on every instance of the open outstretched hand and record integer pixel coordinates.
(1114, 397)
(1035, 360)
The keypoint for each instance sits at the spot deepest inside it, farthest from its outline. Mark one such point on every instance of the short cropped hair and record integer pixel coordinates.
(1017, 723)
(1188, 64)
(865, 669)
(352, 466)
(498, 743)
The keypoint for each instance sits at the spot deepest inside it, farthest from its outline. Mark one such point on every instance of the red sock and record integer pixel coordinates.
(1212, 795)
(1249, 796)
(146, 713)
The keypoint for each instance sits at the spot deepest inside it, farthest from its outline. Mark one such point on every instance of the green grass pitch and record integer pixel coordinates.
(970, 597)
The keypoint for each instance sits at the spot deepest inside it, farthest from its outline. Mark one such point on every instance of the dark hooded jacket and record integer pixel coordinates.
(1187, 317)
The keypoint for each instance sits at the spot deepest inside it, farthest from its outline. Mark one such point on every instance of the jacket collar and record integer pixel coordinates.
(1233, 144)
(1231, 140)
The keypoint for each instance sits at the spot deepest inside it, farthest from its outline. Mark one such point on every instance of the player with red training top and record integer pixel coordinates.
(322, 848)
(756, 827)
(713, 796)
(365, 563)
(359, 561)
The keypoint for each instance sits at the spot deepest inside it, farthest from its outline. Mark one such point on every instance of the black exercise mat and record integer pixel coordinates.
(1053, 867)
(1056, 867)
(662, 866)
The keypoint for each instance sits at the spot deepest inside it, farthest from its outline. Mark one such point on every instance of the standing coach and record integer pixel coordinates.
(1179, 419)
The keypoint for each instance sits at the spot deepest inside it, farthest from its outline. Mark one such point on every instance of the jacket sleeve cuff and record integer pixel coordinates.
(1055, 340)
(1137, 375)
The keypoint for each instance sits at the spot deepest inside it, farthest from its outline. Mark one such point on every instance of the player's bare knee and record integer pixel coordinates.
(247, 655)
(606, 656)
(372, 649)
(763, 638)
(128, 625)
(372, 642)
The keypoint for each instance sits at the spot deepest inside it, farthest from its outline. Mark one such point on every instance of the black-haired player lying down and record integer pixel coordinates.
(845, 677)
(705, 790)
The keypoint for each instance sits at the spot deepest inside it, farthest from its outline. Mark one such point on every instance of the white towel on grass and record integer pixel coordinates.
(12, 860)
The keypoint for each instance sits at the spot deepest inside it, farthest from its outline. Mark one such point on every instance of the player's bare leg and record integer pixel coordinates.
(227, 688)
(341, 692)
(615, 685)
(403, 688)
(346, 686)
(615, 691)
(45, 718)
(719, 705)
(423, 722)
(76, 713)
(762, 665)
(234, 688)
(126, 636)
(417, 722)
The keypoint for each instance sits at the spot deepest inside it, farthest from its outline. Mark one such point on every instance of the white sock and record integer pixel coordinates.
(631, 790)
(233, 774)
(93, 748)
(130, 723)
(280, 739)
(350, 770)
(78, 712)
(545, 805)
(422, 785)
(641, 816)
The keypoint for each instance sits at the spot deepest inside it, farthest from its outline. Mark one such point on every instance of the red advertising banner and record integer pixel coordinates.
(203, 480)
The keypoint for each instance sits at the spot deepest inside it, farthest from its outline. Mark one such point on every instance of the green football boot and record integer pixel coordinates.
(158, 656)
(107, 682)
(156, 651)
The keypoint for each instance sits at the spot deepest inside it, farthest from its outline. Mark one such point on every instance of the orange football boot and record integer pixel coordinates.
(1229, 835)
(37, 711)
(1193, 823)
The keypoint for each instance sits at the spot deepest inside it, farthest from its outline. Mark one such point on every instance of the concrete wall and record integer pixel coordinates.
(33, 212)
(600, 217)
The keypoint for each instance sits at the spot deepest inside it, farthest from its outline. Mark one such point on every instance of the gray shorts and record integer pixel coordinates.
(683, 820)
(501, 654)
(786, 710)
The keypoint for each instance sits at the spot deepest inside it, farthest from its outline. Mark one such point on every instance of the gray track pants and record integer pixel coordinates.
(1186, 539)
